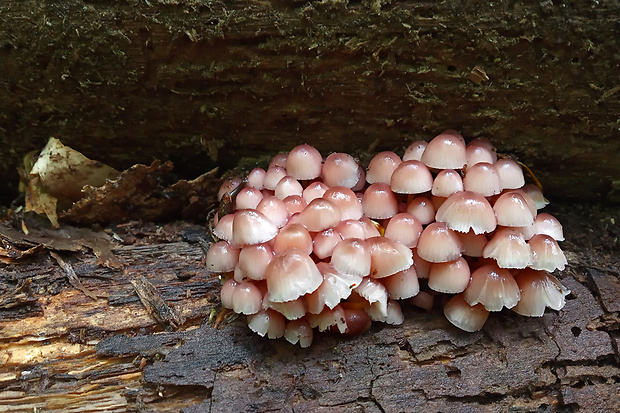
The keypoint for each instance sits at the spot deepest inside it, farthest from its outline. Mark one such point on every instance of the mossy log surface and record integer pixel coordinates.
(207, 82)
(63, 351)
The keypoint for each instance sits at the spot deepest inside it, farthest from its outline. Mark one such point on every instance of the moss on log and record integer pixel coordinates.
(207, 82)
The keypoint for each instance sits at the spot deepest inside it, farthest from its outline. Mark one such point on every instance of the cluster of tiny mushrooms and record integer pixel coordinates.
(323, 243)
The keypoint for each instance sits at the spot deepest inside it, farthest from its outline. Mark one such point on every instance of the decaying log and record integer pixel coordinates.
(61, 350)
(207, 82)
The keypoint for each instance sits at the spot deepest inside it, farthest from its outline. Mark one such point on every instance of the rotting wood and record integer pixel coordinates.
(71, 353)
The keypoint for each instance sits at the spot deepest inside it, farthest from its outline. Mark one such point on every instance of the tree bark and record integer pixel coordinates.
(207, 83)
(64, 351)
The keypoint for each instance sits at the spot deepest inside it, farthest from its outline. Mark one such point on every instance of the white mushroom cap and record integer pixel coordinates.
(299, 331)
(252, 227)
(493, 287)
(464, 316)
(403, 284)
(381, 167)
(414, 151)
(341, 169)
(466, 210)
(446, 183)
(483, 179)
(438, 243)
(546, 253)
(509, 249)
(320, 214)
(512, 210)
(352, 256)
(411, 177)
(304, 162)
(290, 275)
(510, 174)
(445, 151)
(449, 277)
(268, 322)
(387, 257)
(539, 289)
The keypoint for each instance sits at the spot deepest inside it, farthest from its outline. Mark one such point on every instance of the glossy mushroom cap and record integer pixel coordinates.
(304, 162)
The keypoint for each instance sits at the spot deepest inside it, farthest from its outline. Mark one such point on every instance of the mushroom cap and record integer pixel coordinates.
(273, 176)
(446, 183)
(226, 293)
(256, 178)
(445, 151)
(411, 177)
(329, 318)
(422, 209)
(493, 287)
(449, 277)
(438, 243)
(320, 214)
(535, 193)
(509, 249)
(293, 236)
(324, 243)
(288, 186)
(387, 257)
(510, 174)
(345, 199)
(228, 186)
(381, 167)
(335, 287)
(379, 202)
(275, 209)
(252, 227)
(373, 291)
(224, 227)
(268, 322)
(299, 331)
(393, 313)
(314, 190)
(222, 257)
(404, 228)
(403, 284)
(482, 178)
(512, 210)
(414, 151)
(254, 259)
(341, 169)
(279, 160)
(295, 204)
(546, 253)
(464, 316)
(352, 256)
(480, 153)
(467, 210)
(549, 225)
(304, 162)
(290, 275)
(539, 289)
(248, 198)
(351, 228)
(291, 310)
(246, 298)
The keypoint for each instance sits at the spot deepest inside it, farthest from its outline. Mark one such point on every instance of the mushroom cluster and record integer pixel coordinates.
(323, 243)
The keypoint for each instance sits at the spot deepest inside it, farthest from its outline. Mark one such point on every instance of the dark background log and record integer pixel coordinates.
(209, 82)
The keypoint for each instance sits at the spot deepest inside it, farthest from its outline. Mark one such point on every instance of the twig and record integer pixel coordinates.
(72, 276)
